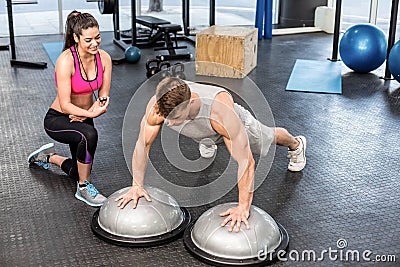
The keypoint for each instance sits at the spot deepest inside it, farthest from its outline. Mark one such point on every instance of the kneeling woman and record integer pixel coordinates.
(81, 69)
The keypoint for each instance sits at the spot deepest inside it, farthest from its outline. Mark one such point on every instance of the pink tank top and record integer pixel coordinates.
(80, 86)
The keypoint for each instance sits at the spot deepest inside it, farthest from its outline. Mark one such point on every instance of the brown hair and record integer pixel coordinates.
(76, 22)
(170, 93)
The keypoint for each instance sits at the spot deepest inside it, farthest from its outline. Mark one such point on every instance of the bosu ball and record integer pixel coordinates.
(207, 240)
(149, 224)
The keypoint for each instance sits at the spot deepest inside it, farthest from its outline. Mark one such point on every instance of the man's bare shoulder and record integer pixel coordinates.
(223, 102)
(222, 112)
(224, 96)
(152, 117)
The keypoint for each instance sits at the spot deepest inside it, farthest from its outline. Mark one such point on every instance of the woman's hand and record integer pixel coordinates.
(134, 194)
(73, 118)
(100, 107)
(236, 216)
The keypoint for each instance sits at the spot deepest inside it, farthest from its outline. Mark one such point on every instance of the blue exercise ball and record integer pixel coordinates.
(363, 47)
(132, 54)
(394, 61)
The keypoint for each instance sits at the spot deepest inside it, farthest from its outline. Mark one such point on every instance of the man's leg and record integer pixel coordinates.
(261, 137)
(296, 148)
(284, 138)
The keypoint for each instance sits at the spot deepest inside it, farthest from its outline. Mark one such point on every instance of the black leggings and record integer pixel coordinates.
(80, 136)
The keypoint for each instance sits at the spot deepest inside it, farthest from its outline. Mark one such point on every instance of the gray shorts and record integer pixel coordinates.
(260, 136)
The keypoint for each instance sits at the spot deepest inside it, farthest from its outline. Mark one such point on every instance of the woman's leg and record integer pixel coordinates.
(84, 172)
(57, 159)
(68, 165)
(82, 159)
(82, 138)
(83, 152)
(56, 121)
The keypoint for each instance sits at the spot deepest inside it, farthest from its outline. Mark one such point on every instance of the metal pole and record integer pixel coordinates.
(259, 18)
(60, 17)
(268, 19)
(139, 7)
(14, 62)
(11, 29)
(117, 33)
(212, 12)
(133, 21)
(185, 16)
(392, 35)
(336, 31)
(373, 11)
(275, 5)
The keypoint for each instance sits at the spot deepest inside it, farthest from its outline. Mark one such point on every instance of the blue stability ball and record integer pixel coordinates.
(394, 61)
(132, 54)
(363, 47)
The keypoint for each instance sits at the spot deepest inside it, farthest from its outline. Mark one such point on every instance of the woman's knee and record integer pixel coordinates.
(91, 136)
(87, 147)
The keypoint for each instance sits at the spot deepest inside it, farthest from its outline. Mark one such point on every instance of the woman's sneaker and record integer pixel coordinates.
(89, 194)
(298, 156)
(41, 156)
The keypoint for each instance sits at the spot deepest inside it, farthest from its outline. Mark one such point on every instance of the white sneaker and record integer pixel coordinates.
(298, 156)
(207, 148)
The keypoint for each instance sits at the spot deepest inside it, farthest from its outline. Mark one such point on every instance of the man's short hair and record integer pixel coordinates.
(170, 93)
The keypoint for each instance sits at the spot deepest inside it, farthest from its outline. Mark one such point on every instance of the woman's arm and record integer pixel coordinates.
(65, 67)
(104, 91)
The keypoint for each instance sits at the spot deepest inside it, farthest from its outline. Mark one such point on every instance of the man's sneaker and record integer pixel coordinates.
(89, 194)
(41, 156)
(298, 156)
(207, 151)
(207, 148)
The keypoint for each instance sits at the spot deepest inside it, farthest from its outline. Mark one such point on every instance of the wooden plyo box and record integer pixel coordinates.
(226, 51)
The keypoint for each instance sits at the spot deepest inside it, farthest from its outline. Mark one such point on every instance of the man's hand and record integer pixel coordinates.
(236, 216)
(134, 194)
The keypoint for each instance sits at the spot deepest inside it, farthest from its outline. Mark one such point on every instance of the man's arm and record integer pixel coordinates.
(225, 121)
(149, 129)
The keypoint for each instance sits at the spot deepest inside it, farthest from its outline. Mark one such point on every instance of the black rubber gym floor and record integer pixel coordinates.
(348, 191)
